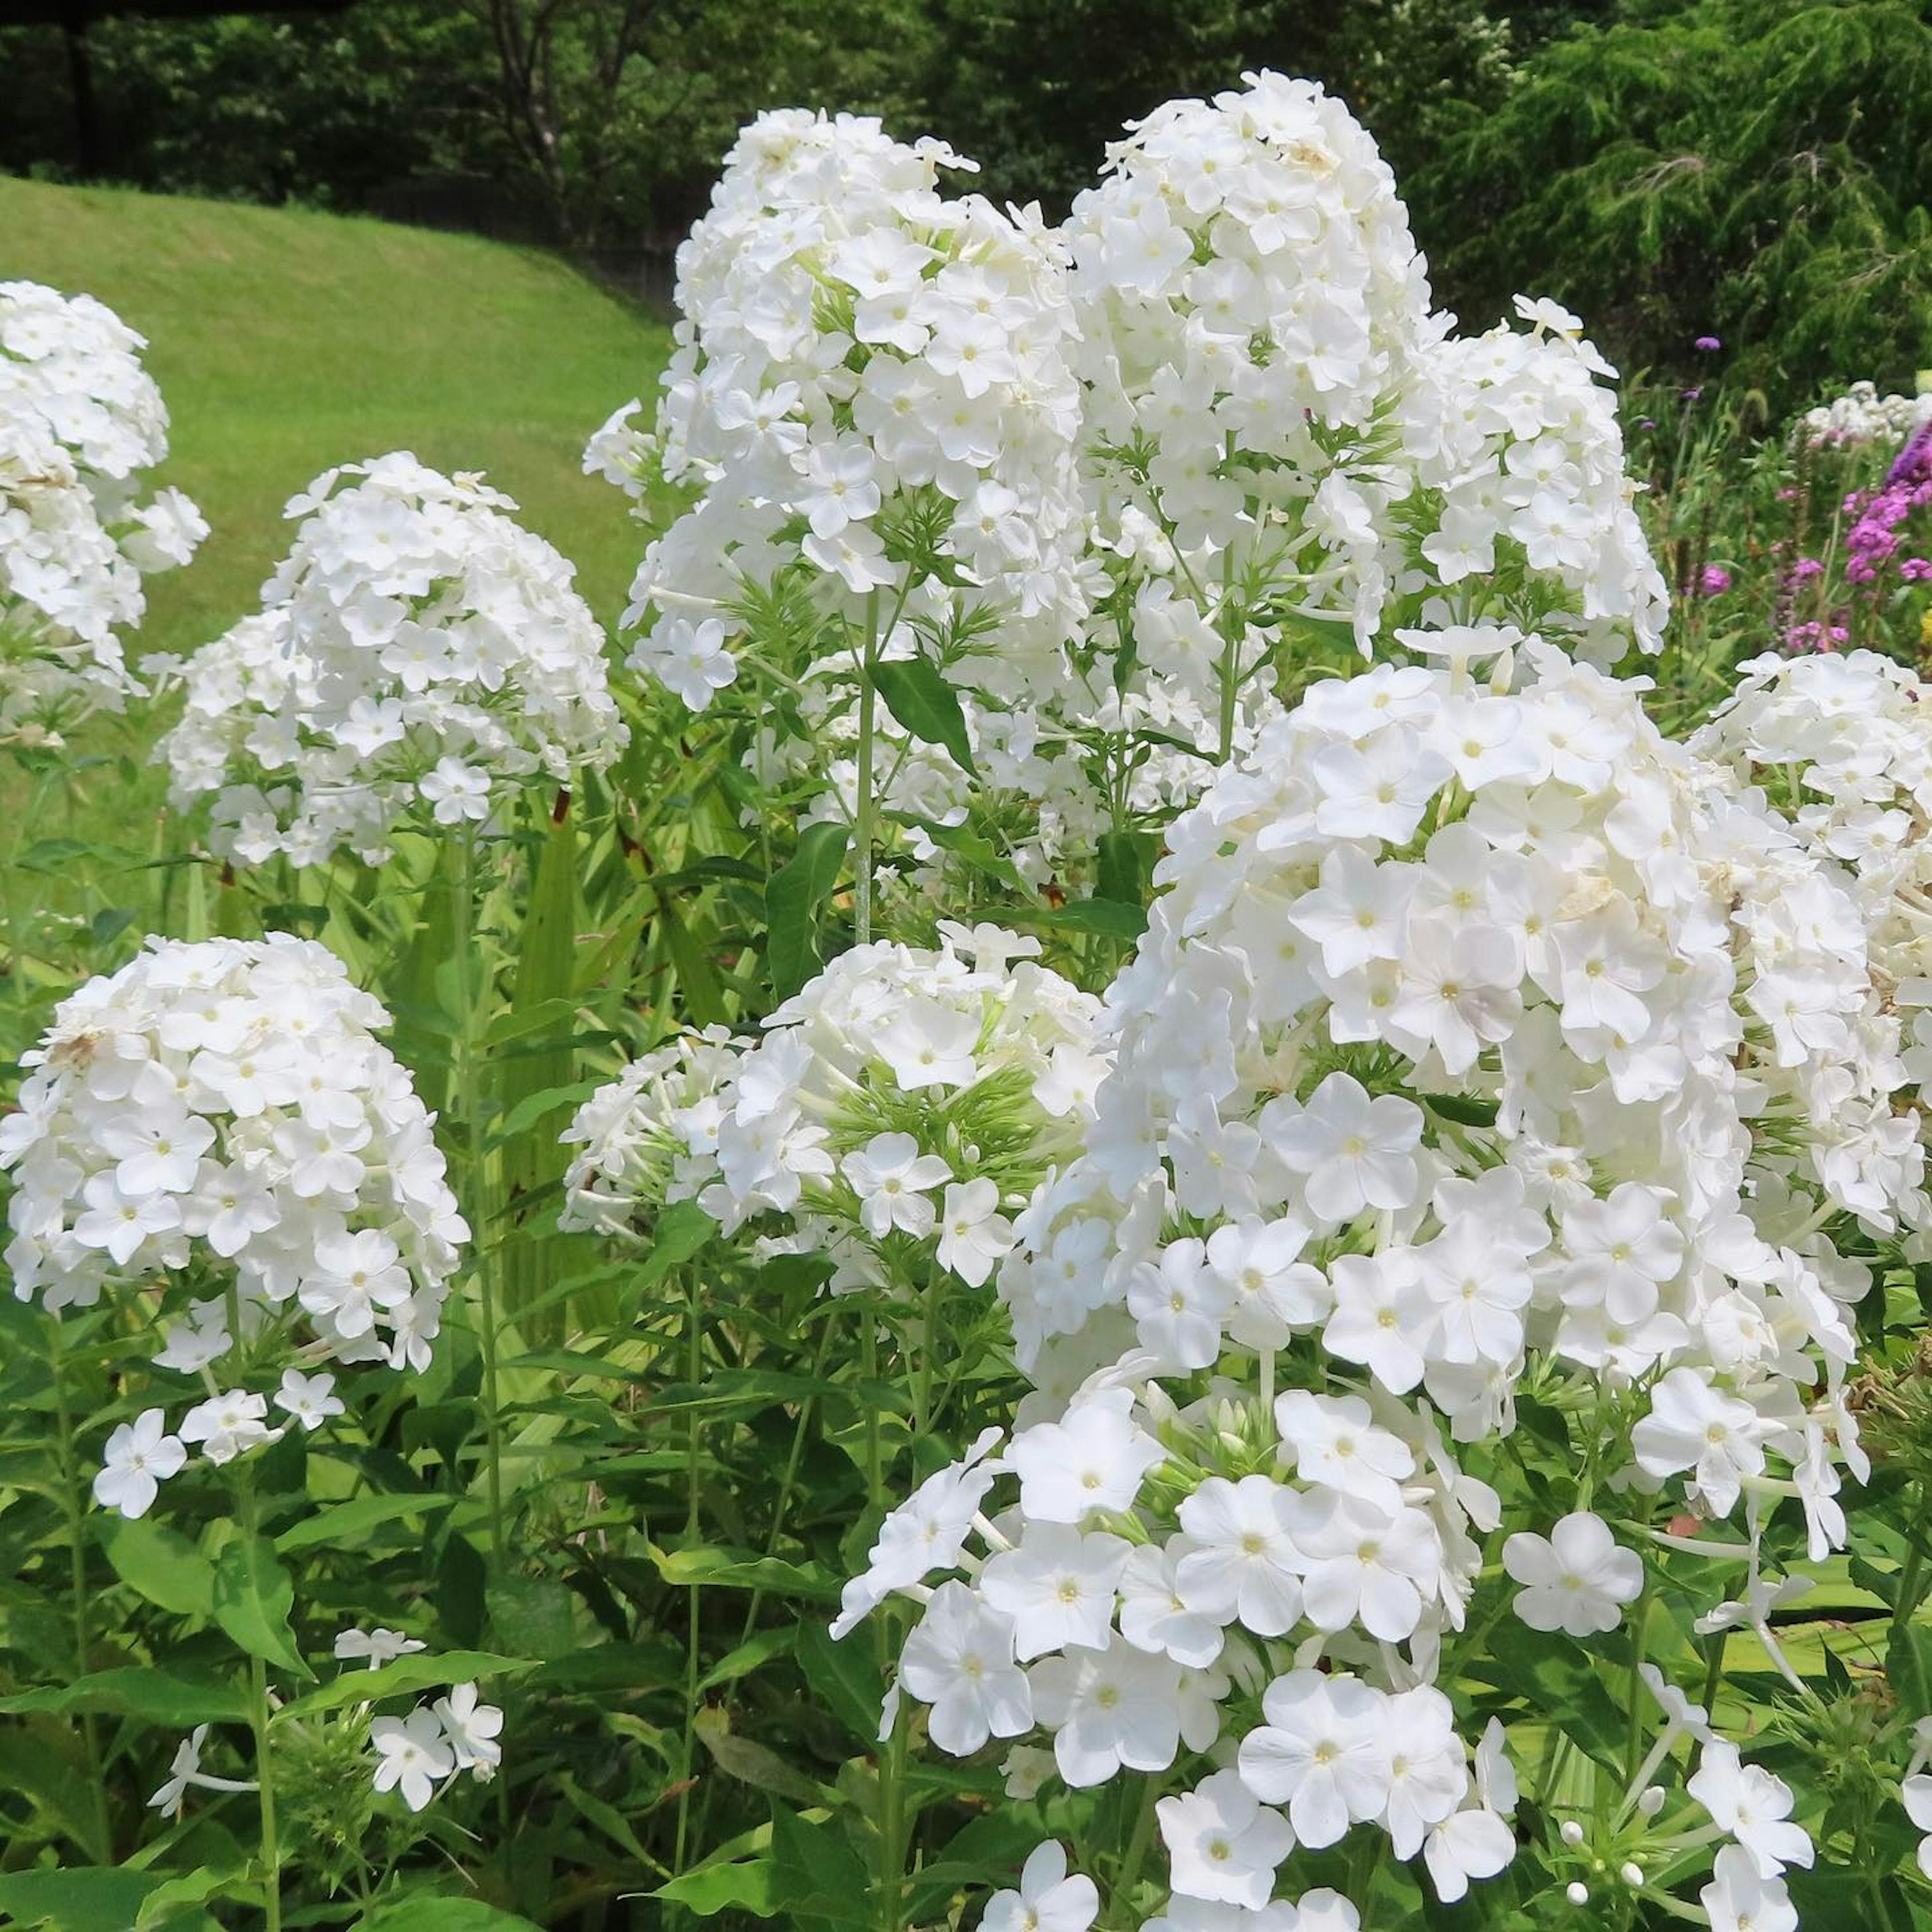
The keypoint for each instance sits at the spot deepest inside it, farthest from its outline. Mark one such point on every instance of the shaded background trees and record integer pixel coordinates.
(1760, 170)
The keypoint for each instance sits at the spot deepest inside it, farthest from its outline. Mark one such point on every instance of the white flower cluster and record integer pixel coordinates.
(418, 651)
(1523, 508)
(892, 1114)
(1861, 416)
(871, 386)
(422, 1754)
(419, 1756)
(1842, 742)
(1279, 428)
(1480, 1038)
(80, 422)
(216, 1126)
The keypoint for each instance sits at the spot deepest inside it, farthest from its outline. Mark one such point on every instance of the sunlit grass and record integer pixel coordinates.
(285, 341)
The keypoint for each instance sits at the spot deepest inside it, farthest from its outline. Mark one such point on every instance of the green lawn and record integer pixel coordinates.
(285, 341)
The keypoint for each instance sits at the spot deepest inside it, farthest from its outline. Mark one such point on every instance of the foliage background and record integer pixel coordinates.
(1758, 170)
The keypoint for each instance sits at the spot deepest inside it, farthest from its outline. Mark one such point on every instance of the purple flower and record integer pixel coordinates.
(1707, 343)
(1715, 581)
(1689, 395)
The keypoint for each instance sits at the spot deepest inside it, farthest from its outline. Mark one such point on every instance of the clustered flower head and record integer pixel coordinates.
(1842, 742)
(871, 393)
(1279, 428)
(419, 656)
(1874, 543)
(1482, 1036)
(81, 421)
(418, 1756)
(1862, 416)
(894, 1113)
(215, 1133)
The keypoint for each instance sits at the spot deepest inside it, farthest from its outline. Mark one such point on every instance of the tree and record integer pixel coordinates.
(1754, 169)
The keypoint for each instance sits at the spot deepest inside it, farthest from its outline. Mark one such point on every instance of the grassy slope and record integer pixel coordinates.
(285, 341)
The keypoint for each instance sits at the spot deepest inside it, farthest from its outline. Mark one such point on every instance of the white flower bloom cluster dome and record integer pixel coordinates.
(216, 1129)
(872, 394)
(81, 422)
(895, 1113)
(1843, 743)
(418, 653)
(1480, 1042)
(1279, 429)
(1861, 417)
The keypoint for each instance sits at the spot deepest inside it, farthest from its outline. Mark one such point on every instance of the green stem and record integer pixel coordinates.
(77, 1593)
(1137, 1845)
(1911, 1577)
(1633, 1749)
(892, 1761)
(265, 1781)
(694, 1338)
(789, 1477)
(476, 987)
(891, 1885)
(861, 806)
(928, 1349)
(258, 1722)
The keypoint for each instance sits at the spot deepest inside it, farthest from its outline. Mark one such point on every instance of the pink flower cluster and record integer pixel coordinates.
(1875, 539)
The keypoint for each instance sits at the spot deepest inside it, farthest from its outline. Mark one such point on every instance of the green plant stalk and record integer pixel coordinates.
(258, 1722)
(1911, 1584)
(928, 1349)
(470, 1097)
(861, 805)
(788, 1478)
(892, 1827)
(265, 1785)
(694, 1338)
(892, 1833)
(1138, 1843)
(79, 1602)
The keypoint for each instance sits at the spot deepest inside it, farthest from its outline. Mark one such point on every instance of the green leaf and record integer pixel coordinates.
(420, 1914)
(168, 1697)
(819, 1875)
(844, 1676)
(1555, 1678)
(744, 1570)
(421, 1670)
(703, 997)
(752, 1655)
(535, 1615)
(743, 1884)
(80, 1899)
(1125, 868)
(534, 1159)
(62, 1793)
(345, 1524)
(793, 896)
(1466, 1110)
(679, 1232)
(162, 1565)
(1908, 1667)
(1109, 917)
(253, 1595)
(917, 694)
(752, 1763)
